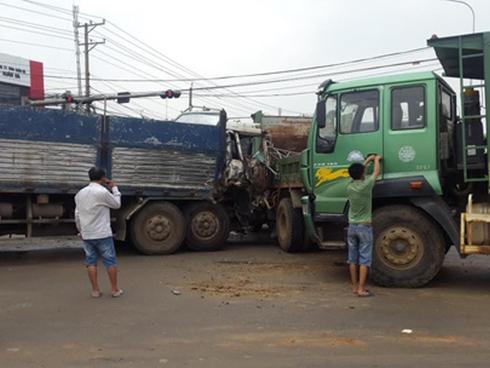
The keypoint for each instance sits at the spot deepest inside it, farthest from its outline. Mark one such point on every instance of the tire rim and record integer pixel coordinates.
(158, 228)
(399, 248)
(205, 225)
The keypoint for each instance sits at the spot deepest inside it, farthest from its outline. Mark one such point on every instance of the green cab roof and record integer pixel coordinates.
(377, 81)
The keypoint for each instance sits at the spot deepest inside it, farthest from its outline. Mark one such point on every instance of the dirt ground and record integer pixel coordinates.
(250, 305)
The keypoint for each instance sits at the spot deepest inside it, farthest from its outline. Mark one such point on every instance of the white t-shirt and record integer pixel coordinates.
(93, 210)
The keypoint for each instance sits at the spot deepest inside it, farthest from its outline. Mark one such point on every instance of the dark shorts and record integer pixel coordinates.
(360, 244)
(104, 248)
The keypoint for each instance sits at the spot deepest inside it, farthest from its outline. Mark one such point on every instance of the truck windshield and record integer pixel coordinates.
(359, 112)
(199, 118)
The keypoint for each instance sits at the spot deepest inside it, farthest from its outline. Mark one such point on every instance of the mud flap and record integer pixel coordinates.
(439, 211)
(308, 220)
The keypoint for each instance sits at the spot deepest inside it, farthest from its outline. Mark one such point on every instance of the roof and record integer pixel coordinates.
(386, 79)
(447, 50)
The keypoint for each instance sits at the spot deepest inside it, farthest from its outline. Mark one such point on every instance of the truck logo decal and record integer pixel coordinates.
(326, 174)
(355, 156)
(406, 154)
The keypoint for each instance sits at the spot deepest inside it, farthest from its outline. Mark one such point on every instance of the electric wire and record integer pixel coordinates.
(34, 11)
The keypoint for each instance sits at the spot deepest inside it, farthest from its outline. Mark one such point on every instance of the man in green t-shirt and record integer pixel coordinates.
(360, 233)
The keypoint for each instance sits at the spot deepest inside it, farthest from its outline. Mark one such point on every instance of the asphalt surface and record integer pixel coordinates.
(250, 305)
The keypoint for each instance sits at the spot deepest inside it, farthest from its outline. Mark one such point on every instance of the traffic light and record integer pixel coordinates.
(68, 97)
(170, 93)
(123, 97)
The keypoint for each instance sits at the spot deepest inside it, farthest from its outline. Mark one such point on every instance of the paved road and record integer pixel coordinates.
(248, 306)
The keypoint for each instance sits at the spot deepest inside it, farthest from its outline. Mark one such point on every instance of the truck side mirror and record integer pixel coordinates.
(321, 118)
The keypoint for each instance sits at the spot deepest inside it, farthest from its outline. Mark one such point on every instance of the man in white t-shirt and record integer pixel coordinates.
(93, 220)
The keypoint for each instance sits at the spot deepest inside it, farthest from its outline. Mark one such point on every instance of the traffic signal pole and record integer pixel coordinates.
(124, 96)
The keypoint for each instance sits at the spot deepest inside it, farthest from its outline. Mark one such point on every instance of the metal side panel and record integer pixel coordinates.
(166, 158)
(163, 168)
(32, 165)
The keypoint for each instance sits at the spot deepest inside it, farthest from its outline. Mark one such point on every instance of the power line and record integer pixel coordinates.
(254, 83)
(311, 92)
(34, 25)
(34, 11)
(35, 32)
(36, 44)
(258, 95)
(171, 61)
(296, 70)
(66, 11)
(147, 62)
(283, 80)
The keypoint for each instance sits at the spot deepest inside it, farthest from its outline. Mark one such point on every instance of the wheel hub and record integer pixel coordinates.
(158, 228)
(205, 225)
(400, 248)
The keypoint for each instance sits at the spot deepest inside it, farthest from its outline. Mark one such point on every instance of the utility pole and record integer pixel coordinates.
(77, 48)
(89, 46)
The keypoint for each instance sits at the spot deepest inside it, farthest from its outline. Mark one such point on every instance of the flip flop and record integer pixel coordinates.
(365, 295)
(118, 293)
(96, 294)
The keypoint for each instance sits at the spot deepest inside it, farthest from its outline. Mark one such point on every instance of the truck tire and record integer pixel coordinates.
(158, 228)
(208, 226)
(290, 227)
(408, 247)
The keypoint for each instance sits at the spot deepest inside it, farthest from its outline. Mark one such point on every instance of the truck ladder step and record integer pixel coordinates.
(469, 56)
(333, 244)
(474, 117)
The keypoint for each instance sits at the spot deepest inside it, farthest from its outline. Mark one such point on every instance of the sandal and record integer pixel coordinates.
(96, 294)
(118, 293)
(365, 294)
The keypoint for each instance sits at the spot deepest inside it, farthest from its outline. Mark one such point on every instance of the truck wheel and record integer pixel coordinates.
(408, 248)
(208, 226)
(289, 227)
(158, 228)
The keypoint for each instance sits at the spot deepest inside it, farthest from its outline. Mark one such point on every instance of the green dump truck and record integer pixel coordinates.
(434, 189)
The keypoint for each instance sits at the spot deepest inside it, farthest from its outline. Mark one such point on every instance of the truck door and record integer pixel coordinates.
(410, 141)
(352, 131)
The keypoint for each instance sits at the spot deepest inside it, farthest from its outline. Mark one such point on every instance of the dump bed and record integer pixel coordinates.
(50, 151)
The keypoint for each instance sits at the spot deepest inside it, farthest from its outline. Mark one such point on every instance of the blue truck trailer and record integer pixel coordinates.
(174, 177)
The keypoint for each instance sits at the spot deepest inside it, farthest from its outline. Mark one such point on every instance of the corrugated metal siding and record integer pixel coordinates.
(163, 168)
(42, 163)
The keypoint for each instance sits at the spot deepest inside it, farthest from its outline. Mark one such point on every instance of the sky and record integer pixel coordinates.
(151, 39)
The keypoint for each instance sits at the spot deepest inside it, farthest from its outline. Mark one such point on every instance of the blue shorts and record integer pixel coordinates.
(95, 248)
(360, 244)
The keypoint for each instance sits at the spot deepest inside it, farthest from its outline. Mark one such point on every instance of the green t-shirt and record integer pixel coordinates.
(360, 193)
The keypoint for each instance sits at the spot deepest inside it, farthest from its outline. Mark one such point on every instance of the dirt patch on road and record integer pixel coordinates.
(258, 279)
(243, 286)
(443, 340)
(266, 267)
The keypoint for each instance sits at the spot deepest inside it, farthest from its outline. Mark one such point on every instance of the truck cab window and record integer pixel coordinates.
(408, 108)
(359, 112)
(328, 134)
(446, 108)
